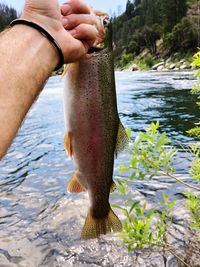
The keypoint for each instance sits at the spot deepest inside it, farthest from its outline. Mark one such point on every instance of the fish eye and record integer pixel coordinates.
(106, 22)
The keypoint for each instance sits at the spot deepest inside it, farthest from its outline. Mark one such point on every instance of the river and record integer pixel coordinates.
(40, 223)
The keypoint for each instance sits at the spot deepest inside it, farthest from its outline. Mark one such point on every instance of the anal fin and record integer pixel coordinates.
(74, 186)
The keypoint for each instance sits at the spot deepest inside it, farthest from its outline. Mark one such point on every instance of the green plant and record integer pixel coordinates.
(194, 208)
(196, 90)
(143, 228)
(126, 59)
(151, 155)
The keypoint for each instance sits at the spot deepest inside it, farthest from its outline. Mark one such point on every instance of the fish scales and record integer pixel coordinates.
(92, 126)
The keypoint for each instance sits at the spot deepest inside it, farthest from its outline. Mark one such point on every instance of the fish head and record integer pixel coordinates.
(104, 39)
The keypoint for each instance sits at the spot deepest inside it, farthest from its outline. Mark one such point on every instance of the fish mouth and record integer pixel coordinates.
(93, 50)
(104, 32)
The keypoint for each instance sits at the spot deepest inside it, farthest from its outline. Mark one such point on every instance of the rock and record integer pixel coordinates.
(176, 69)
(182, 61)
(155, 67)
(134, 67)
(183, 67)
(172, 66)
(160, 68)
(165, 69)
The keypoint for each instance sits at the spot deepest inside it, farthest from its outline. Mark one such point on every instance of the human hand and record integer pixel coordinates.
(72, 25)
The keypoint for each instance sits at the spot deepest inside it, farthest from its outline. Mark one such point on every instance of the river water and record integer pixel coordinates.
(40, 223)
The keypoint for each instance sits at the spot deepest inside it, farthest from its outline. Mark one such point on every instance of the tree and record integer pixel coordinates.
(129, 9)
(172, 12)
(7, 14)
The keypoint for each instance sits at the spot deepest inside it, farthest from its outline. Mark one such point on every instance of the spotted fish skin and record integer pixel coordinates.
(92, 127)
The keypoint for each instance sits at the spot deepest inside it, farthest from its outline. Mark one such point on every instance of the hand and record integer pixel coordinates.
(72, 24)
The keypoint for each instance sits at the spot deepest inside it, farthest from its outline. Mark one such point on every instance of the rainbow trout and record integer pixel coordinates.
(94, 133)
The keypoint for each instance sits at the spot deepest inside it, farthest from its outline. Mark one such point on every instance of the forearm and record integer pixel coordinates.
(34, 58)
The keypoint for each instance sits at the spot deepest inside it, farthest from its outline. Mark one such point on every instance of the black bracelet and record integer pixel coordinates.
(46, 34)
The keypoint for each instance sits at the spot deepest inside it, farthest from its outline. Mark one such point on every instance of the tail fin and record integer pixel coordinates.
(93, 228)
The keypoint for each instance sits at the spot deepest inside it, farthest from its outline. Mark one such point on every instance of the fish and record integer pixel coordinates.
(94, 134)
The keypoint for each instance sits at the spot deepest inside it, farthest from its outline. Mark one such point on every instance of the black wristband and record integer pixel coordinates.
(46, 34)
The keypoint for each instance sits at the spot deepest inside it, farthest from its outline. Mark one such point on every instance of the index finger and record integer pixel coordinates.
(75, 7)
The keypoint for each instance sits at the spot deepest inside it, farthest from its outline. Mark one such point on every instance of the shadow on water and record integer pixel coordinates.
(36, 212)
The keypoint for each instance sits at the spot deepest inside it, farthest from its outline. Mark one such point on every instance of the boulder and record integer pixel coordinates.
(135, 67)
(160, 68)
(172, 66)
(183, 67)
(155, 67)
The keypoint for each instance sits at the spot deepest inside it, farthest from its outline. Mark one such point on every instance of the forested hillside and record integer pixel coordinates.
(7, 14)
(158, 26)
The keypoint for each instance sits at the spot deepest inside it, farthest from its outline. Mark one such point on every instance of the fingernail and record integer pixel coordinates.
(66, 9)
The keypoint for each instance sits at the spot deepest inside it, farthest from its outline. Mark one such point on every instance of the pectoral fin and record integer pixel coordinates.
(66, 68)
(68, 144)
(74, 186)
(122, 139)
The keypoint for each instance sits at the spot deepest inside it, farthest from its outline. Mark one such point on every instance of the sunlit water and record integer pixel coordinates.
(33, 197)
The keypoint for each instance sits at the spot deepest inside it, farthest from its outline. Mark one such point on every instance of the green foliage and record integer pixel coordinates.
(148, 155)
(146, 62)
(151, 155)
(183, 36)
(143, 228)
(196, 90)
(194, 208)
(195, 168)
(126, 59)
(145, 22)
(173, 11)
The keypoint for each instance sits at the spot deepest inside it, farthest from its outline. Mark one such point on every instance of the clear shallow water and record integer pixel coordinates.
(36, 212)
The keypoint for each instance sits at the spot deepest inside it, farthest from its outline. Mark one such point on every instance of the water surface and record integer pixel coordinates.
(40, 223)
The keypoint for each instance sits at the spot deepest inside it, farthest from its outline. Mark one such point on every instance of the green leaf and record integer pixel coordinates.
(135, 204)
(150, 213)
(121, 187)
(128, 132)
(165, 198)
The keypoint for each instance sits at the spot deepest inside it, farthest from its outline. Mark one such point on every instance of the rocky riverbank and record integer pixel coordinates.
(145, 61)
(163, 66)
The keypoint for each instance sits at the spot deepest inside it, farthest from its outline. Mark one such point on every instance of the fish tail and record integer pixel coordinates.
(74, 186)
(93, 227)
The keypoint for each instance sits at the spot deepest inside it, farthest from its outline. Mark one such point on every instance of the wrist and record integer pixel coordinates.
(43, 32)
(37, 45)
(51, 23)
